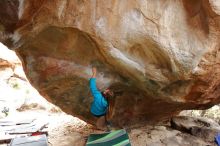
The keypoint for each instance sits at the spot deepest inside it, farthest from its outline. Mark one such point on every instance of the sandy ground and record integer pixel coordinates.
(66, 130)
(63, 129)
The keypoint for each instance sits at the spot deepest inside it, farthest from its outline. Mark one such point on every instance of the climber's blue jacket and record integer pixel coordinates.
(99, 104)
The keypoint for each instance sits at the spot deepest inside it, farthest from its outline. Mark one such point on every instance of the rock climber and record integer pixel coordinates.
(100, 103)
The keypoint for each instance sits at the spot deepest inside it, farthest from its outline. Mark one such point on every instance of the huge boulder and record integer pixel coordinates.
(161, 56)
(203, 128)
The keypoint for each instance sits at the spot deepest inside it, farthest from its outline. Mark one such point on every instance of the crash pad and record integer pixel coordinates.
(40, 140)
(113, 138)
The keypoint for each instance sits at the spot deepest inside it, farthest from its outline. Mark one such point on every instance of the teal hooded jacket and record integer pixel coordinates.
(99, 104)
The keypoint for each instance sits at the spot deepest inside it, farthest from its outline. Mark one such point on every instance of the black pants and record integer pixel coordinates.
(99, 115)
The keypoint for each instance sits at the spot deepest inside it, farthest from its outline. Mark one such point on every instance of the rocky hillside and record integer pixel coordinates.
(161, 56)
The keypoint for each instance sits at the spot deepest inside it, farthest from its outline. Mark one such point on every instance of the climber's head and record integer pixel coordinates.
(107, 93)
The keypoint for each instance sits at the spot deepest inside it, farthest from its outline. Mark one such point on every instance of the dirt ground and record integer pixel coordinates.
(63, 129)
(66, 130)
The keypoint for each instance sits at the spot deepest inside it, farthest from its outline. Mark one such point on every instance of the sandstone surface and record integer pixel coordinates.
(204, 128)
(161, 56)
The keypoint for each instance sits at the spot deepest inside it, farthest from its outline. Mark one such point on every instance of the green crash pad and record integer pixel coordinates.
(113, 138)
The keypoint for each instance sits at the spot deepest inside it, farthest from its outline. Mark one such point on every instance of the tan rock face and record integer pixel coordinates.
(162, 56)
(10, 65)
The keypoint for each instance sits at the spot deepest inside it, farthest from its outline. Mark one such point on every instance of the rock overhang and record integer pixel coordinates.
(159, 67)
